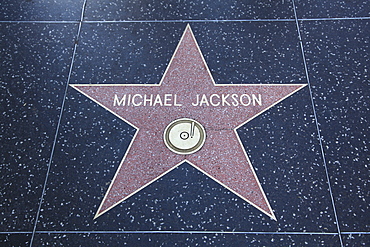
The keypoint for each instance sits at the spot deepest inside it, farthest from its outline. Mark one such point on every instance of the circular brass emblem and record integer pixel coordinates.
(184, 136)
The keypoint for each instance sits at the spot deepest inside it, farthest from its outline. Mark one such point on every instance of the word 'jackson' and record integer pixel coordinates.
(199, 100)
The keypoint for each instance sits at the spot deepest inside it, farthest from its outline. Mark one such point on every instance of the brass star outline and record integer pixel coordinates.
(222, 158)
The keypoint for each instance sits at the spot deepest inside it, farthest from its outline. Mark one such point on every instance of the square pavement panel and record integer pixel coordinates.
(285, 154)
(33, 78)
(338, 58)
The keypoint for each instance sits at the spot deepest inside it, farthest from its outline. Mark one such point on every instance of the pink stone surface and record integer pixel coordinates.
(222, 157)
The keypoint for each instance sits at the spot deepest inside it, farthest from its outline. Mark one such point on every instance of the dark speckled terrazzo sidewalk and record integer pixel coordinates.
(60, 150)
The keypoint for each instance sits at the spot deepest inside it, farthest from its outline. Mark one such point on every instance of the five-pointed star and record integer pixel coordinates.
(178, 95)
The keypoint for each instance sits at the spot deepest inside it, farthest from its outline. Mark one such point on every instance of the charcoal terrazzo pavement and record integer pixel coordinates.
(60, 150)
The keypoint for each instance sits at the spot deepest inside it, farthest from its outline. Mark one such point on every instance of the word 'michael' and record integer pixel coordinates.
(198, 100)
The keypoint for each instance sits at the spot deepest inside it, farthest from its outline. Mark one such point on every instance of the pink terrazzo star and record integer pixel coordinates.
(187, 90)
